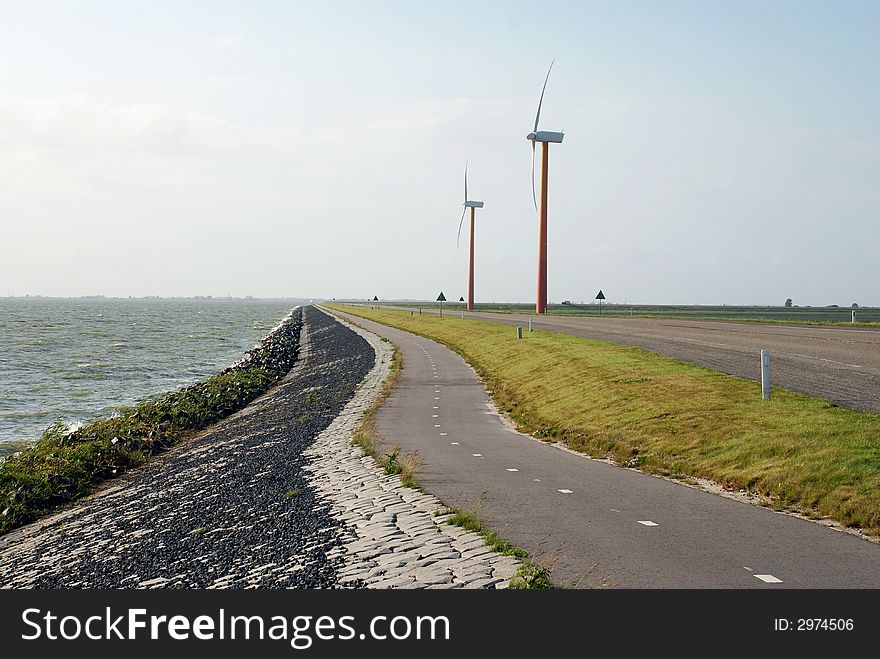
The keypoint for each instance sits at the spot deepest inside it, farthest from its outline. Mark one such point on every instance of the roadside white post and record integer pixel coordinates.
(519, 332)
(765, 374)
(530, 324)
(854, 315)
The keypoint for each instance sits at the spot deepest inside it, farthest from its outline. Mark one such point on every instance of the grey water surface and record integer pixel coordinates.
(78, 359)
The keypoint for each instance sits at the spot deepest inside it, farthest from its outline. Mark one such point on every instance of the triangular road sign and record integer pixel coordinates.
(461, 299)
(375, 299)
(600, 296)
(441, 297)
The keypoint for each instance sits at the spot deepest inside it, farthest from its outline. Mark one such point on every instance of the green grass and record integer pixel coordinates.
(62, 466)
(529, 575)
(837, 316)
(468, 520)
(671, 418)
(367, 436)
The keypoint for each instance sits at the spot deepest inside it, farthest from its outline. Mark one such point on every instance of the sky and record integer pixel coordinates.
(714, 153)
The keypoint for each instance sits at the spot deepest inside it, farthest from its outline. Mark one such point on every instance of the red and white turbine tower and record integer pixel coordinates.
(473, 205)
(546, 138)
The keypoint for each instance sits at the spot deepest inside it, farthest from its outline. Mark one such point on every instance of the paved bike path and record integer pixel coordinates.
(593, 523)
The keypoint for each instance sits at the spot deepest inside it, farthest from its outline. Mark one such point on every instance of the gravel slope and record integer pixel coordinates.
(230, 508)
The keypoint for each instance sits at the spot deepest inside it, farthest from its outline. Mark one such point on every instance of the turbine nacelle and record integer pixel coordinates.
(545, 136)
(467, 204)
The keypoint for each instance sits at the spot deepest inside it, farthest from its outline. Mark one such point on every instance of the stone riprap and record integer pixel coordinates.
(228, 508)
(393, 536)
(274, 496)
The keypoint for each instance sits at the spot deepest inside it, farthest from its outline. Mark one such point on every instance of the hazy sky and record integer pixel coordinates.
(714, 152)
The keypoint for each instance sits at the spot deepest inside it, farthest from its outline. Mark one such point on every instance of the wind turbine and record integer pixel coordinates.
(473, 205)
(546, 138)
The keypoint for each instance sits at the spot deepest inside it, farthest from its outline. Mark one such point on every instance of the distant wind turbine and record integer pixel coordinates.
(473, 205)
(545, 138)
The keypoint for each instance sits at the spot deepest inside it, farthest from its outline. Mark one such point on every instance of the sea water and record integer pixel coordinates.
(74, 360)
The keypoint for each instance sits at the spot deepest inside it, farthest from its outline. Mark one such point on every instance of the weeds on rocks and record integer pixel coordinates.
(65, 465)
(367, 436)
(530, 576)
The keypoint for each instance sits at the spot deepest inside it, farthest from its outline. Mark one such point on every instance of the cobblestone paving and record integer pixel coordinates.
(271, 497)
(392, 536)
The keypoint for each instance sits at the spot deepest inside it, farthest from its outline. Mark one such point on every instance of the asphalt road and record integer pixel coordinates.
(592, 523)
(839, 364)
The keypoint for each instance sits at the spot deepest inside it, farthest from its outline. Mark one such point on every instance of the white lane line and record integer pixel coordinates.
(615, 510)
(747, 568)
(767, 578)
(512, 469)
(436, 397)
(537, 480)
(830, 361)
(436, 425)
(443, 434)
(565, 491)
(434, 416)
(454, 443)
(477, 455)
(697, 341)
(648, 522)
(435, 408)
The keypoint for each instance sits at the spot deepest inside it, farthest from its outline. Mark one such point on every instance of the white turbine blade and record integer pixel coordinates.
(465, 180)
(541, 101)
(460, 222)
(534, 198)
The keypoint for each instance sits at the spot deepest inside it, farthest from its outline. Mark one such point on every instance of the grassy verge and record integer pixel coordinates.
(870, 316)
(63, 466)
(667, 417)
(529, 576)
(367, 436)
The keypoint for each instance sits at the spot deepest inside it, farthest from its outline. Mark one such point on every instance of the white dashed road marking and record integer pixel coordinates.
(454, 443)
(443, 434)
(824, 359)
(512, 469)
(648, 522)
(767, 578)
(477, 455)
(566, 491)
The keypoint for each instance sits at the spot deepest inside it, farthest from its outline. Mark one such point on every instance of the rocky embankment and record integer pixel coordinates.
(231, 507)
(273, 496)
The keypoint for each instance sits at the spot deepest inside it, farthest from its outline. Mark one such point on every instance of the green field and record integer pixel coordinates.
(668, 417)
(797, 315)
